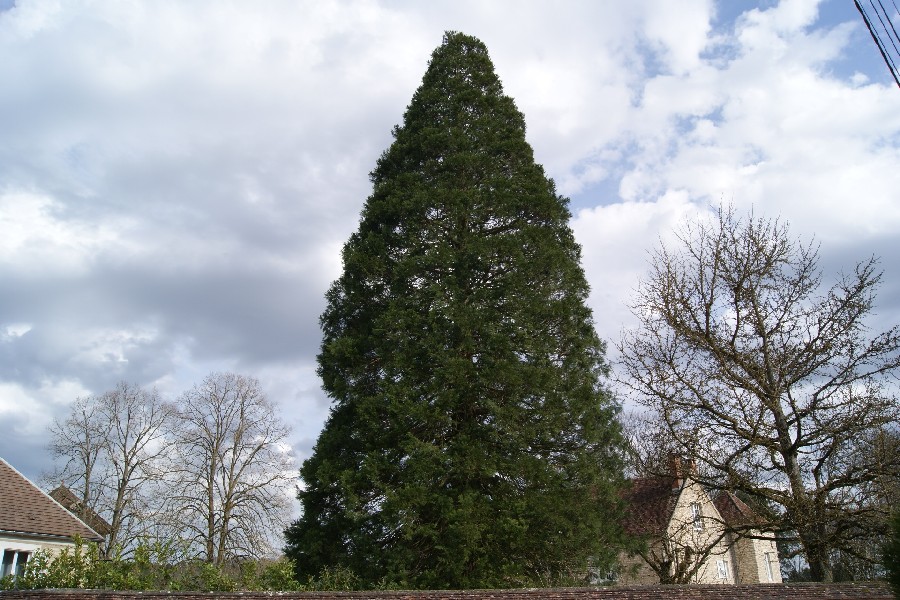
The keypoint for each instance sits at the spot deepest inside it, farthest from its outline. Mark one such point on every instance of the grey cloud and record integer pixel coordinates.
(203, 164)
(24, 450)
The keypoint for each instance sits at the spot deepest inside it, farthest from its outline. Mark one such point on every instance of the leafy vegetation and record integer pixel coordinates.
(152, 566)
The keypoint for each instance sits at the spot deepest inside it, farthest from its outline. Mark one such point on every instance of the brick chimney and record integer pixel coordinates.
(681, 468)
(675, 470)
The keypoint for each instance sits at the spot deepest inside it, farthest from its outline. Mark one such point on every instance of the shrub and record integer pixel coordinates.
(154, 567)
(892, 555)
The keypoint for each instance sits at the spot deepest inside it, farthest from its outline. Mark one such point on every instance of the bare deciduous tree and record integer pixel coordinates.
(765, 379)
(138, 422)
(111, 445)
(234, 469)
(650, 447)
(78, 445)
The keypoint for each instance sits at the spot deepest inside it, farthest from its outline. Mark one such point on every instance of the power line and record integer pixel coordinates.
(886, 38)
(896, 14)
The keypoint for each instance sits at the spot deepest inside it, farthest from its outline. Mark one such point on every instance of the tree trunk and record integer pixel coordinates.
(817, 555)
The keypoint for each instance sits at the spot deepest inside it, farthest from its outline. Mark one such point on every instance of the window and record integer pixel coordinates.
(721, 569)
(9, 559)
(21, 560)
(14, 562)
(770, 558)
(697, 515)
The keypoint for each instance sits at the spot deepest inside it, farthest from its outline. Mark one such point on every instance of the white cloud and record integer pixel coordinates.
(177, 179)
(773, 130)
(36, 238)
(29, 407)
(17, 329)
(788, 16)
(682, 29)
(616, 240)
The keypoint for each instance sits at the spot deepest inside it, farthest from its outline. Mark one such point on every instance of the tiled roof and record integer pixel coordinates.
(868, 590)
(859, 590)
(72, 503)
(649, 504)
(25, 509)
(734, 511)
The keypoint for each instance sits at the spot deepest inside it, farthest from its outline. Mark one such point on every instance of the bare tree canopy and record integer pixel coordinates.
(76, 445)
(769, 378)
(232, 469)
(137, 422)
(109, 448)
(211, 474)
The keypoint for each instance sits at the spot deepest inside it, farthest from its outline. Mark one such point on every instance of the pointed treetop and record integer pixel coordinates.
(459, 68)
(462, 59)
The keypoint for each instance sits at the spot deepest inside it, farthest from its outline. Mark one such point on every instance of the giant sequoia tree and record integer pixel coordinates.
(471, 441)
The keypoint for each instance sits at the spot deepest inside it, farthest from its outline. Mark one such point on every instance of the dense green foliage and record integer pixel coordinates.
(892, 554)
(471, 442)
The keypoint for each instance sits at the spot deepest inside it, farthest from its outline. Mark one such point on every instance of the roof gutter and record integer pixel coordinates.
(44, 536)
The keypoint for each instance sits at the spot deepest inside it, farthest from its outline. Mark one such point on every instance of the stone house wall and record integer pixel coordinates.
(683, 534)
(712, 535)
(756, 560)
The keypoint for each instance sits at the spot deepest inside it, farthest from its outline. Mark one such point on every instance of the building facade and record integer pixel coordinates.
(31, 520)
(690, 537)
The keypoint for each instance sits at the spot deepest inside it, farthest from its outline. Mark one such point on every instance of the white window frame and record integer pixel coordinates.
(769, 571)
(722, 569)
(7, 568)
(697, 516)
(20, 558)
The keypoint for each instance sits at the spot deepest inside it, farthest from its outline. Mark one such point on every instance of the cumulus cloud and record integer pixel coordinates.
(177, 179)
(763, 123)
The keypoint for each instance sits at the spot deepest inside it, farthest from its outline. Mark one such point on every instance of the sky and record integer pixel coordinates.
(177, 178)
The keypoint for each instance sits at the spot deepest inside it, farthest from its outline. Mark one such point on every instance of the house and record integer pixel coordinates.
(692, 537)
(754, 553)
(31, 520)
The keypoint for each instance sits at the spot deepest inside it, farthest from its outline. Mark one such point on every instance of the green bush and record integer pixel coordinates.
(153, 567)
(334, 579)
(278, 576)
(892, 555)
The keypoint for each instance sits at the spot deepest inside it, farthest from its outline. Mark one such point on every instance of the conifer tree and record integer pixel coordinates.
(471, 441)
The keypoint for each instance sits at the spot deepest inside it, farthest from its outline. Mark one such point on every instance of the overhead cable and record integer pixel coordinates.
(886, 38)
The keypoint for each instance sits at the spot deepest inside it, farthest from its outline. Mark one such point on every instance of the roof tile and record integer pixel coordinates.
(650, 502)
(28, 510)
(735, 511)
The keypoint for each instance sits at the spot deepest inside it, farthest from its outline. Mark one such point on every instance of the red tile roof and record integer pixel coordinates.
(26, 510)
(649, 504)
(735, 511)
(88, 516)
